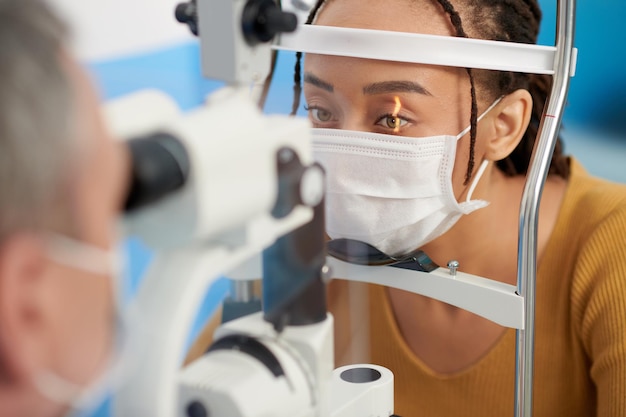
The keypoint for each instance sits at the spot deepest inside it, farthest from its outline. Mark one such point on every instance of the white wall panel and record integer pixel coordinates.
(107, 29)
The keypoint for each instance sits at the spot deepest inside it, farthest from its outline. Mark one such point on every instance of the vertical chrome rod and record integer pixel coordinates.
(537, 173)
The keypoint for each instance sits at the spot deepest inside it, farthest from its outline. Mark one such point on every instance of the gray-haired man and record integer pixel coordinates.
(61, 189)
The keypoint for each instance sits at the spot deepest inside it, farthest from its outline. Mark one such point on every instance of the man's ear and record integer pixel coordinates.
(22, 303)
(510, 120)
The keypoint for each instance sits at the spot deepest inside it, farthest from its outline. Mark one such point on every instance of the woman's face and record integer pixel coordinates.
(390, 97)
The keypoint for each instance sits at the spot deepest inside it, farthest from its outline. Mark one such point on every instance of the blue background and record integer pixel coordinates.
(595, 118)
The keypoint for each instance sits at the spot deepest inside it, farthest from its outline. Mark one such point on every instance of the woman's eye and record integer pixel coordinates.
(391, 122)
(320, 115)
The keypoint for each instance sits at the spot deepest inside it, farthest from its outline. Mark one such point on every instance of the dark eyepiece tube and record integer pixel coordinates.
(160, 166)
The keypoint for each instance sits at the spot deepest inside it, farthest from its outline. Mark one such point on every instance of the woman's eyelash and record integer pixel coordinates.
(392, 115)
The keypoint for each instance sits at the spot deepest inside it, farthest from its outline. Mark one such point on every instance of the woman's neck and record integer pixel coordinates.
(485, 241)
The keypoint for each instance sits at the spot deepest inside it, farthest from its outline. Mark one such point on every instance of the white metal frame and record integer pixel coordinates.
(420, 48)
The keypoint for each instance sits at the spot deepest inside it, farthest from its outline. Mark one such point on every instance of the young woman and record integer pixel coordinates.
(376, 119)
(447, 361)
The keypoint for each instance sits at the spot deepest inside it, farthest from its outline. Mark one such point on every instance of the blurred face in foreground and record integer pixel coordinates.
(56, 317)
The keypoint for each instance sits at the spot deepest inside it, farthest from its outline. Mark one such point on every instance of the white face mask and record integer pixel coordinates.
(108, 264)
(392, 192)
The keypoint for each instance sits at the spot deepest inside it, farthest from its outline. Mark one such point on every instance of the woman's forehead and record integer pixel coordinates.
(349, 73)
(414, 16)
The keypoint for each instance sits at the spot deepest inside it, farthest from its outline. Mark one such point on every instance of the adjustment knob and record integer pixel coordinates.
(262, 20)
(197, 409)
(187, 13)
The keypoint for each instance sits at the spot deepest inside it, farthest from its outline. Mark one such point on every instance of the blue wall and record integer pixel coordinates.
(598, 92)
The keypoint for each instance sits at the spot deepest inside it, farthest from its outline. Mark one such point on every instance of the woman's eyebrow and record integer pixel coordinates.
(318, 82)
(387, 87)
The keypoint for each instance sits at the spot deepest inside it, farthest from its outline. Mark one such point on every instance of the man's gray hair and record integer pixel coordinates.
(36, 114)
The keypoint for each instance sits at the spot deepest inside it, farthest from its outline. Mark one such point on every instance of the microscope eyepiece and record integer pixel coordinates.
(262, 20)
(160, 166)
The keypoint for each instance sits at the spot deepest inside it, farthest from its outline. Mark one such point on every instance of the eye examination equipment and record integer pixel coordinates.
(237, 193)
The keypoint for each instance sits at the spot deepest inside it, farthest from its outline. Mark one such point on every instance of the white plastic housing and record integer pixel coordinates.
(373, 398)
(225, 54)
(234, 384)
(422, 49)
(490, 299)
(233, 150)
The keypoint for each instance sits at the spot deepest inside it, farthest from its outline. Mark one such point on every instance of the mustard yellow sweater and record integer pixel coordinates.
(580, 345)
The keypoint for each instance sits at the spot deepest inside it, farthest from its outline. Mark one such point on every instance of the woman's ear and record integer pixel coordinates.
(509, 121)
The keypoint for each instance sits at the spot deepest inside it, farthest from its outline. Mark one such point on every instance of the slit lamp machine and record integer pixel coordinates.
(227, 190)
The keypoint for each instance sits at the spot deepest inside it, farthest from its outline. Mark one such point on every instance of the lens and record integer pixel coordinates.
(361, 253)
(357, 252)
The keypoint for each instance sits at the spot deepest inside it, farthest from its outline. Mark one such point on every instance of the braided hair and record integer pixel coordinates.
(500, 20)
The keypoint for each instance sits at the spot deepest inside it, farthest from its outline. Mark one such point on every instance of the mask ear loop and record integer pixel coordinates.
(56, 389)
(86, 257)
(95, 260)
(479, 174)
(483, 165)
(85, 398)
(483, 114)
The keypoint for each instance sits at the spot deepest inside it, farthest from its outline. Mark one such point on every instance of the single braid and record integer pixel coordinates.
(297, 84)
(455, 19)
(473, 127)
(297, 71)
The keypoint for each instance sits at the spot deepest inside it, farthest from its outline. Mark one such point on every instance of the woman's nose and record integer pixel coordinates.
(353, 122)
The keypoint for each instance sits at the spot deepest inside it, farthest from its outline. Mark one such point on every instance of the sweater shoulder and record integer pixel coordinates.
(588, 202)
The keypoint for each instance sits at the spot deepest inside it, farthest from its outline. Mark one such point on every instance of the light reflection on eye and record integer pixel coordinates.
(396, 111)
(393, 120)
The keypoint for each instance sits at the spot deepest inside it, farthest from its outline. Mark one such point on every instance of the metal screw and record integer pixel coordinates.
(327, 274)
(453, 266)
(285, 155)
